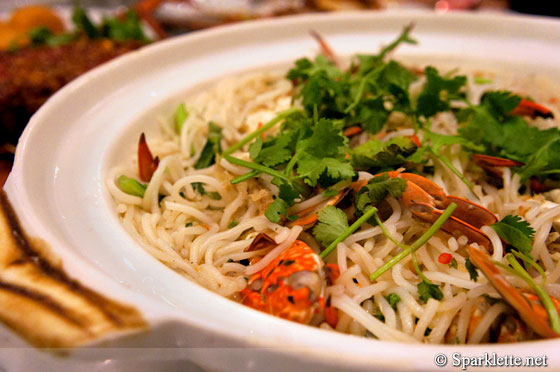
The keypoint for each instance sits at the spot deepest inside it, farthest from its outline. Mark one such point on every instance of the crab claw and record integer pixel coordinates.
(532, 109)
(494, 161)
(427, 201)
(530, 311)
(147, 164)
(491, 163)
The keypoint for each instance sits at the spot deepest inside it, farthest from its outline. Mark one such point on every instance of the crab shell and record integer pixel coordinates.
(290, 287)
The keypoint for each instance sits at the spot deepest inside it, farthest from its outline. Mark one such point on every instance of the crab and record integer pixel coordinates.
(293, 285)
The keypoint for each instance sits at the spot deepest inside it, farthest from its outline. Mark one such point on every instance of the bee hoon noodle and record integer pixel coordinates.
(372, 117)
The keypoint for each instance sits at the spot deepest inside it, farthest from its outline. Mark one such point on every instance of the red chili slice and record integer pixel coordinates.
(445, 258)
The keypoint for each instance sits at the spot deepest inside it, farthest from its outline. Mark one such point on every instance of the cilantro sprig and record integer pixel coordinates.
(211, 148)
(426, 289)
(377, 189)
(305, 153)
(497, 132)
(359, 95)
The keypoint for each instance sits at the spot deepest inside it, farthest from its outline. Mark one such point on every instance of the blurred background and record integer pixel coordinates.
(44, 44)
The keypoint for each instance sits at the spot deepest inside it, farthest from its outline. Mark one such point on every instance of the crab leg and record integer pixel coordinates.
(528, 310)
(427, 201)
(325, 48)
(532, 109)
(145, 10)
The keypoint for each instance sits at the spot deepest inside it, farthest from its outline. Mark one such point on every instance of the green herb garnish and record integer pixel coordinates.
(393, 300)
(516, 232)
(211, 148)
(131, 186)
(473, 273)
(180, 116)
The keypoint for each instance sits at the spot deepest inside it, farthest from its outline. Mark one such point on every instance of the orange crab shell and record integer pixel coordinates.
(277, 295)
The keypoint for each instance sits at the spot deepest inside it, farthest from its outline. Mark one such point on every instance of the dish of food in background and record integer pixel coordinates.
(14, 32)
(39, 55)
(197, 14)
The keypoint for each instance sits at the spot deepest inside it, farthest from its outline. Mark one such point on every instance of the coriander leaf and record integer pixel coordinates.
(180, 116)
(519, 224)
(375, 153)
(323, 86)
(131, 186)
(437, 92)
(376, 190)
(366, 63)
(211, 148)
(363, 202)
(371, 114)
(393, 300)
(546, 159)
(312, 168)
(301, 69)
(500, 103)
(404, 37)
(326, 140)
(397, 75)
(396, 79)
(334, 93)
(379, 186)
(304, 69)
(83, 23)
(275, 151)
(288, 194)
(453, 264)
(429, 290)
(275, 211)
(332, 223)
(473, 274)
(199, 188)
(329, 192)
(323, 153)
(232, 224)
(514, 139)
(436, 141)
(516, 232)
(379, 316)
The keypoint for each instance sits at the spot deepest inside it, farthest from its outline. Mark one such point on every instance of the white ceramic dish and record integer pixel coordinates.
(57, 189)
